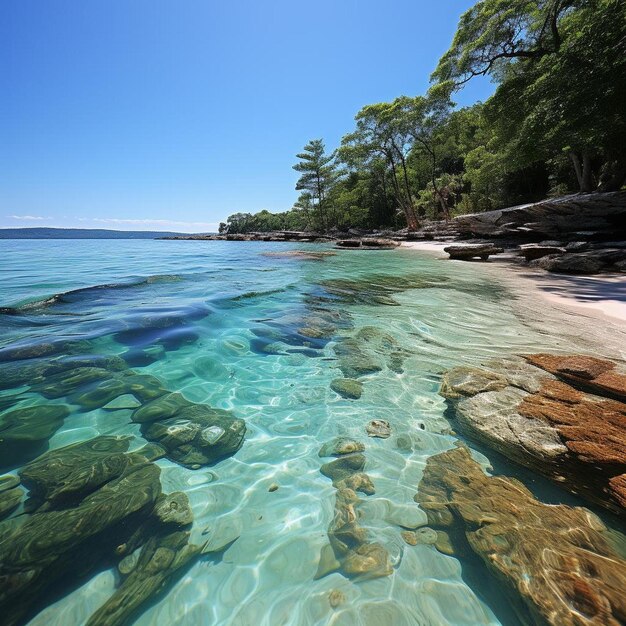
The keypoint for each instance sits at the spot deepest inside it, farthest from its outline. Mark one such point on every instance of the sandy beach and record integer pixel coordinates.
(604, 295)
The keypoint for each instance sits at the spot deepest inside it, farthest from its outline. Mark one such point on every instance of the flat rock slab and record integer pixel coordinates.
(532, 251)
(562, 416)
(473, 251)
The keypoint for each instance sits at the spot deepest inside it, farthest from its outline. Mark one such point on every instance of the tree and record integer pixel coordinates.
(381, 132)
(493, 31)
(560, 66)
(319, 173)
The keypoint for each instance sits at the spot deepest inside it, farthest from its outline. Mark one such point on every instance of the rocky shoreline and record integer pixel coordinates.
(576, 234)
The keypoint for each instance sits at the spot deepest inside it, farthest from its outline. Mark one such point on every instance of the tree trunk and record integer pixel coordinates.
(587, 174)
(411, 218)
(577, 169)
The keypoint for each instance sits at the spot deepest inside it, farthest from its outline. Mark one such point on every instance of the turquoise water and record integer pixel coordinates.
(221, 322)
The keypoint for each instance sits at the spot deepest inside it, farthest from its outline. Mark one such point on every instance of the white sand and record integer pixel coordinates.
(604, 294)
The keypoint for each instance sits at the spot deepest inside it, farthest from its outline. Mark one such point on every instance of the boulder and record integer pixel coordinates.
(347, 388)
(532, 251)
(554, 563)
(198, 435)
(573, 263)
(597, 214)
(24, 432)
(466, 252)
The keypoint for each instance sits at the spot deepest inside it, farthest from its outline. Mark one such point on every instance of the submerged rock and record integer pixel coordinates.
(304, 255)
(198, 435)
(74, 471)
(379, 428)
(24, 432)
(173, 509)
(160, 562)
(347, 387)
(9, 500)
(569, 576)
(340, 446)
(343, 467)
(52, 545)
(161, 408)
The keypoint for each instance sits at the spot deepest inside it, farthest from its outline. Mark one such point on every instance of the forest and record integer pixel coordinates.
(554, 125)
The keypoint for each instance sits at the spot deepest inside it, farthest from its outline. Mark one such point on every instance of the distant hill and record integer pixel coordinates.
(81, 233)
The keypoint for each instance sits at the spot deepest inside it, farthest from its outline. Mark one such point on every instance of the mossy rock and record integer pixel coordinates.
(24, 432)
(67, 382)
(144, 386)
(199, 435)
(347, 388)
(161, 561)
(70, 473)
(9, 501)
(164, 407)
(64, 545)
(102, 394)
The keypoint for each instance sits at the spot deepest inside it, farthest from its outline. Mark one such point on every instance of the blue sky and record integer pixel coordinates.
(157, 115)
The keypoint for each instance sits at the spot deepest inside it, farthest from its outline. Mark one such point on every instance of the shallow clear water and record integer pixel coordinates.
(225, 332)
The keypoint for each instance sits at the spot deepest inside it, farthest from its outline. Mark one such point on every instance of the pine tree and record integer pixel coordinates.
(319, 173)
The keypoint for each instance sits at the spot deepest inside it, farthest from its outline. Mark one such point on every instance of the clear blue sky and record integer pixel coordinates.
(148, 114)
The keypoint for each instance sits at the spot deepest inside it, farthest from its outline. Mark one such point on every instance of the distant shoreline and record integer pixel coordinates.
(84, 233)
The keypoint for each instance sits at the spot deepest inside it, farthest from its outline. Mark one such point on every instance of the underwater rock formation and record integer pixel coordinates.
(349, 551)
(72, 472)
(97, 503)
(347, 388)
(368, 351)
(198, 435)
(576, 438)
(159, 563)
(53, 545)
(24, 432)
(571, 576)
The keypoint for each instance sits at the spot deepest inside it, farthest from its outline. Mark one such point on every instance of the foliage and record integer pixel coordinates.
(555, 124)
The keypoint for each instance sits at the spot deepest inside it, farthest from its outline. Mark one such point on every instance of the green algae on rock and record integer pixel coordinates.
(52, 545)
(162, 560)
(9, 500)
(198, 435)
(347, 387)
(24, 432)
(74, 471)
(161, 408)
